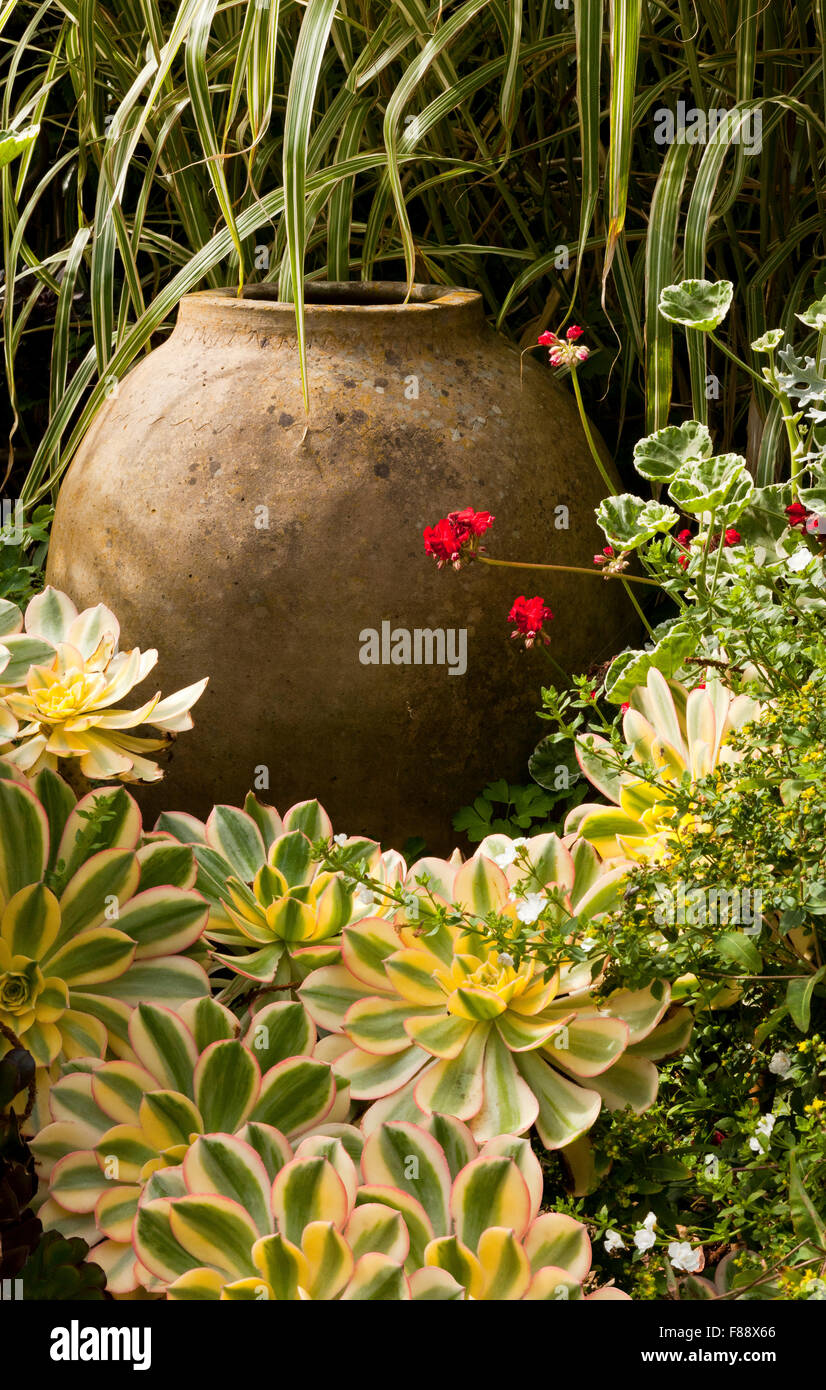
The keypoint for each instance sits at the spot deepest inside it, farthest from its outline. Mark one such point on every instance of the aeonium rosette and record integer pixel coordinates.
(91, 921)
(670, 732)
(441, 1018)
(420, 1213)
(62, 680)
(187, 1072)
(271, 902)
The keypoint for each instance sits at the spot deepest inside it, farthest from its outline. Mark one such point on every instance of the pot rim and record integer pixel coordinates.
(342, 297)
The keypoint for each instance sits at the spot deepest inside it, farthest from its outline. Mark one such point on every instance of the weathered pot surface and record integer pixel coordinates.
(247, 547)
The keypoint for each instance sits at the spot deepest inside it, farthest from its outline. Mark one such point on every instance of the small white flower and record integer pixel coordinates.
(682, 1257)
(340, 839)
(800, 559)
(587, 943)
(644, 1238)
(529, 908)
(763, 1130)
(613, 1241)
(780, 1064)
(507, 856)
(506, 959)
(365, 895)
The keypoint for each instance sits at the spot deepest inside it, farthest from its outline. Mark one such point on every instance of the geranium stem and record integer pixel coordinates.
(589, 436)
(567, 569)
(640, 613)
(564, 674)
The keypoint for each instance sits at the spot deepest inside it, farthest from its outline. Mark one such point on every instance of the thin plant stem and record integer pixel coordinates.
(589, 436)
(564, 674)
(567, 569)
(761, 381)
(626, 586)
(709, 534)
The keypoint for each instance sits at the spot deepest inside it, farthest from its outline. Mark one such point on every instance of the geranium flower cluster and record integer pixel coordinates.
(454, 540)
(528, 616)
(563, 352)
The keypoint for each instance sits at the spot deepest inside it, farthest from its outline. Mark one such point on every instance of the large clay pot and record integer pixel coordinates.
(417, 409)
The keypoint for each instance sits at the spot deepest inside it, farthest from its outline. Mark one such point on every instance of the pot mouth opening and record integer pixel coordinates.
(354, 294)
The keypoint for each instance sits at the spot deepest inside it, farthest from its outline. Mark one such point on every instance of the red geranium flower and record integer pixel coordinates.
(453, 539)
(528, 615)
(797, 514)
(731, 536)
(625, 708)
(471, 522)
(444, 543)
(684, 537)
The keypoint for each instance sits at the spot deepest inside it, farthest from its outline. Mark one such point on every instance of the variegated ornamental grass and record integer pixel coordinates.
(61, 680)
(187, 1073)
(431, 1016)
(92, 920)
(423, 1213)
(344, 142)
(670, 732)
(270, 902)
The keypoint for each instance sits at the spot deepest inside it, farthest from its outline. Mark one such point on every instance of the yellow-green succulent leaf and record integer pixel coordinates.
(223, 1164)
(294, 1095)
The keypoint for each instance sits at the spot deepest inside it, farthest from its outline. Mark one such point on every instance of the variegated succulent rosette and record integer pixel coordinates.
(187, 1073)
(271, 903)
(670, 731)
(432, 1017)
(91, 921)
(62, 680)
(422, 1213)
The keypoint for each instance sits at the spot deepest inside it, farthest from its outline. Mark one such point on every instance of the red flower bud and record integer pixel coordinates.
(561, 351)
(732, 537)
(625, 708)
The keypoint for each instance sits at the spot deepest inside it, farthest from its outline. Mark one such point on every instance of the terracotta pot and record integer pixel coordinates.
(247, 549)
